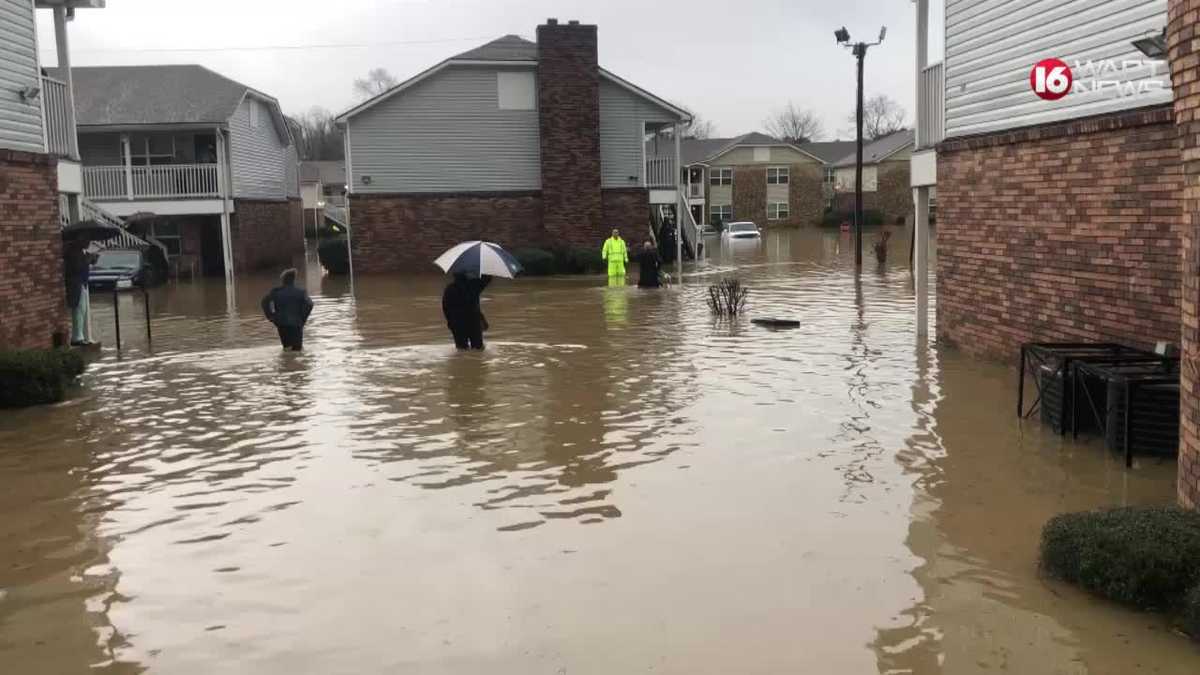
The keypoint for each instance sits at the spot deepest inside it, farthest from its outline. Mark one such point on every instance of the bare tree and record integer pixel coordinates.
(317, 135)
(794, 125)
(882, 116)
(698, 128)
(377, 81)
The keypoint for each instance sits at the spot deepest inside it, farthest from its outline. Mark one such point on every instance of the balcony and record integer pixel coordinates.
(931, 107)
(164, 181)
(660, 172)
(60, 119)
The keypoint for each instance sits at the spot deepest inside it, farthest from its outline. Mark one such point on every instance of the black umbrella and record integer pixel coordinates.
(91, 230)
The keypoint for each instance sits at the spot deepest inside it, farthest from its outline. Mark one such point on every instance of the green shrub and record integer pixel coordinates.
(334, 255)
(536, 262)
(37, 376)
(1144, 556)
(1190, 615)
(563, 260)
(834, 217)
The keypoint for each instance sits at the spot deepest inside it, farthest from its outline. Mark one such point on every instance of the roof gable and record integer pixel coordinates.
(878, 150)
(703, 151)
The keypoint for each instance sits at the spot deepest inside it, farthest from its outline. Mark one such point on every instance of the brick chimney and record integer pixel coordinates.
(568, 81)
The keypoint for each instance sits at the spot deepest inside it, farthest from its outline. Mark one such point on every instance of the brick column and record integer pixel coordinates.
(1184, 52)
(568, 81)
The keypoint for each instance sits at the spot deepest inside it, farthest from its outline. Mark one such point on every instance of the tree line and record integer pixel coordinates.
(319, 138)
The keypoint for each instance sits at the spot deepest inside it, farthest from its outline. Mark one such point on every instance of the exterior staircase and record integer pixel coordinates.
(89, 210)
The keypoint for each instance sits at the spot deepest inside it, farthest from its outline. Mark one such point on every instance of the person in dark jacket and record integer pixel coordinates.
(460, 305)
(649, 263)
(288, 308)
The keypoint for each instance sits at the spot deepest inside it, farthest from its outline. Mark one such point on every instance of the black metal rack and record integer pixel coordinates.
(1140, 405)
(1050, 364)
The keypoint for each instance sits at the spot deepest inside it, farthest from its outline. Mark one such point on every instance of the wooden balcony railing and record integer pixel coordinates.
(165, 181)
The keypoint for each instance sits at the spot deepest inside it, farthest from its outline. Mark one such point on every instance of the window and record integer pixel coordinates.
(167, 233)
(778, 175)
(253, 112)
(762, 154)
(720, 214)
(151, 149)
(720, 176)
(515, 90)
(777, 211)
(830, 175)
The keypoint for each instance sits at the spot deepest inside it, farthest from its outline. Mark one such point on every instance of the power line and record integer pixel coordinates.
(262, 48)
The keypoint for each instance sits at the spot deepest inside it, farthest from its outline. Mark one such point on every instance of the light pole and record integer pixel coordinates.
(859, 49)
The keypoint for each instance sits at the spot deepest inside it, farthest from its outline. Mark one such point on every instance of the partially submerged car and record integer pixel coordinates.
(741, 230)
(123, 268)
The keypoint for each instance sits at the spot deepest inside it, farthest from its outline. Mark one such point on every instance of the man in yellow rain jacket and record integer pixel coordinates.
(615, 254)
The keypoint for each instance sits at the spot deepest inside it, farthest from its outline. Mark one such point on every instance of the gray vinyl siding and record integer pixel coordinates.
(100, 149)
(621, 116)
(20, 122)
(720, 195)
(992, 45)
(446, 133)
(293, 172)
(743, 155)
(777, 193)
(258, 154)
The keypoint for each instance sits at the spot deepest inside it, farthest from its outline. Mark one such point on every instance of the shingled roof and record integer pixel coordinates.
(111, 96)
(879, 150)
(507, 48)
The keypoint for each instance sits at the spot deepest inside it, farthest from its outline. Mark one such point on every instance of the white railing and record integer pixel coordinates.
(166, 181)
(60, 119)
(931, 106)
(696, 190)
(691, 230)
(127, 239)
(660, 172)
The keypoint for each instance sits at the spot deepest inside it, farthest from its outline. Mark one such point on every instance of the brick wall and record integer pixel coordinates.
(893, 189)
(1063, 232)
(806, 199)
(1183, 16)
(627, 209)
(32, 295)
(750, 194)
(568, 81)
(266, 234)
(405, 233)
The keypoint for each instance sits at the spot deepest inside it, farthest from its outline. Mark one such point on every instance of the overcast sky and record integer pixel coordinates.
(730, 61)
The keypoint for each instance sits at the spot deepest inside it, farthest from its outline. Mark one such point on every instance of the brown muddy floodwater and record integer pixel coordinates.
(617, 485)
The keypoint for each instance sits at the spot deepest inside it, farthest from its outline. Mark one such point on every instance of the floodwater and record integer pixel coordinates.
(618, 484)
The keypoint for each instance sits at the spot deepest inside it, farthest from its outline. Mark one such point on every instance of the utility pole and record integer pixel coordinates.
(859, 49)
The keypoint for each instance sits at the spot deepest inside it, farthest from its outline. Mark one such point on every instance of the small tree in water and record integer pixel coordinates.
(727, 298)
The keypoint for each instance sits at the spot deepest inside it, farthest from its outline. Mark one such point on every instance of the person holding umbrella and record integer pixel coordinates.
(473, 264)
(77, 268)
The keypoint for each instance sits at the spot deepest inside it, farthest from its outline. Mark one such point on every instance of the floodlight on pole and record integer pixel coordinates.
(859, 49)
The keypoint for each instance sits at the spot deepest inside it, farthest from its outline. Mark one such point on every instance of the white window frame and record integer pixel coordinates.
(140, 154)
(781, 172)
(715, 211)
(778, 211)
(168, 238)
(830, 175)
(720, 176)
(516, 90)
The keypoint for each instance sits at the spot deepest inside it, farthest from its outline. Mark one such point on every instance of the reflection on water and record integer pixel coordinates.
(619, 483)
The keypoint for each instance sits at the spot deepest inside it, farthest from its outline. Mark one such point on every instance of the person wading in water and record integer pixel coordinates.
(615, 254)
(460, 305)
(649, 264)
(288, 308)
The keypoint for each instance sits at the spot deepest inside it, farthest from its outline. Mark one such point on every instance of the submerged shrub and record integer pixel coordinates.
(1140, 556)
(334, 255)
(1190, 614)
(727, 298)
(536, 262)
(37, 376)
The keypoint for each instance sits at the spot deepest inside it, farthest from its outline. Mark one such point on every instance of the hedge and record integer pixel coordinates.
(1145, 557)
(37, 376)
(1190, 615)
(834, 218)
(540, 262)
(334, 255)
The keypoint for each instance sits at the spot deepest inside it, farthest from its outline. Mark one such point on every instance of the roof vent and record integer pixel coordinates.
(551, 22)
(573, 22)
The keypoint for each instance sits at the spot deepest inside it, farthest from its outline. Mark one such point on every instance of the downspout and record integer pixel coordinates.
(349, 177)
(681, 200)
(225, 179)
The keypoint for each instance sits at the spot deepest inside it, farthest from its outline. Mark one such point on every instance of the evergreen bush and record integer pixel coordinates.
(334, 255)
(37, 376)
